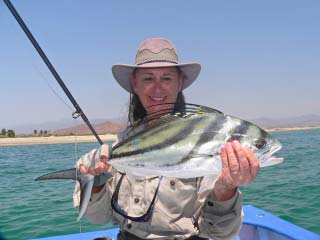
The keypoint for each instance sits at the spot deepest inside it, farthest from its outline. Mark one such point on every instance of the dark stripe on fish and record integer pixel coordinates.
(167, 142)
(145, 128)
(207, 135)
(264, 134)
(239, 132)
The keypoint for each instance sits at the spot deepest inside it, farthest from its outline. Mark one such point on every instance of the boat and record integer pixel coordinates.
(257, 225)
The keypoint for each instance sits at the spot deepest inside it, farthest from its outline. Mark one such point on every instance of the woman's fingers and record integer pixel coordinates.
(241, 157)
(94, 171)
(244, 176)
(226, 175)
(232, 160)
(82, 169)
(254, 163)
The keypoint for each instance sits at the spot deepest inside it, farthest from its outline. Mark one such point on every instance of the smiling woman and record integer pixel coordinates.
(164, 206)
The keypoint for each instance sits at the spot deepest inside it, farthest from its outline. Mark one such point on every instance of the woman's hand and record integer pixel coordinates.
(239, 167)
(95, 161)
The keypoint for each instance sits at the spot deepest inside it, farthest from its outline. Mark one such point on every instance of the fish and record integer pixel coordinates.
(182, 143)
(186, 144)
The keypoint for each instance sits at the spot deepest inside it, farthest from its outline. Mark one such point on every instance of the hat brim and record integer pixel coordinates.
(122, 72)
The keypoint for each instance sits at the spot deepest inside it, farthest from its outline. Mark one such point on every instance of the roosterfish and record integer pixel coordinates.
(181, 143)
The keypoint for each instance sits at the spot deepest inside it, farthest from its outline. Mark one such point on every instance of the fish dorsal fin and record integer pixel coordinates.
(164, 116)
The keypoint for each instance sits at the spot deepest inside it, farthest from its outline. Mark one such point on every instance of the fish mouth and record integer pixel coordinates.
(268, 159)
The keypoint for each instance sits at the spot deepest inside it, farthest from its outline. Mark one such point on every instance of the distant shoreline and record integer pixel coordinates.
(290, 129)
(17, 141)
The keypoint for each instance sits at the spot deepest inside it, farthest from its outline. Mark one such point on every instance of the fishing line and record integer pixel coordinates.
(46, 80)
(76, 134)
(78, 197)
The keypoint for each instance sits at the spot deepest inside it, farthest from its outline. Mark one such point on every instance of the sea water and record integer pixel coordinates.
(30, 209)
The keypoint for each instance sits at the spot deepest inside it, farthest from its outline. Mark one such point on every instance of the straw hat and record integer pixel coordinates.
(155, 52)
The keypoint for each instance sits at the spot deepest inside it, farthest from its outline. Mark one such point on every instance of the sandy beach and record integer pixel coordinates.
(290, 129)
(52, 140)
(74, 139)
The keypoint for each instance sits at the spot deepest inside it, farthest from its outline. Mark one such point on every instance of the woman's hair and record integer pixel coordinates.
(137, 112)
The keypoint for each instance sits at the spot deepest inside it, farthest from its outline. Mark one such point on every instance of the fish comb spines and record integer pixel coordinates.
(164, 116)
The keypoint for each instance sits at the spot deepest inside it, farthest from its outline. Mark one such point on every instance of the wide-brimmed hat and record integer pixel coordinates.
(152, 53)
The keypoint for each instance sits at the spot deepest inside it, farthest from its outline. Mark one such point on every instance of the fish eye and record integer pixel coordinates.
(260, 143)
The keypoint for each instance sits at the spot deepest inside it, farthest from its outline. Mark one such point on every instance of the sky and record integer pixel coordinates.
(259, 58)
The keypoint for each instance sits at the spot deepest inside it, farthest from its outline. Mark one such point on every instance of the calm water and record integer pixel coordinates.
(30, 209)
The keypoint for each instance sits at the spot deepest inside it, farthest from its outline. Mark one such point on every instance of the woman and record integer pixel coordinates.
(167, 208)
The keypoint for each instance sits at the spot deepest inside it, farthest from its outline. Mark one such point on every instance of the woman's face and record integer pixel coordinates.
(157, 86)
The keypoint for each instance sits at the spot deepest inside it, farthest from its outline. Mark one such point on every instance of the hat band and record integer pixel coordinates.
(156, 60)
(165, 55)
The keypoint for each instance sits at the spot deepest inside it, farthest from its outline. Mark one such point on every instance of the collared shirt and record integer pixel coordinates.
(180, 210)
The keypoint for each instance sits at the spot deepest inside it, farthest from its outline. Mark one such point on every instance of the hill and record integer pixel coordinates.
(110, 127)
(292, 122)
(107, 127)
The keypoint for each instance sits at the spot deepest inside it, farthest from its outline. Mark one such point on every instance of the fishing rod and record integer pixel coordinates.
(78, 111)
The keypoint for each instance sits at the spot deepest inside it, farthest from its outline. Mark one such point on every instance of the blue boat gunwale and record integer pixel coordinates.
(260, 218)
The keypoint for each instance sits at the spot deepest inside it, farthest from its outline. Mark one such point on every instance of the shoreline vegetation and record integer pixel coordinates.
(32, 140)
